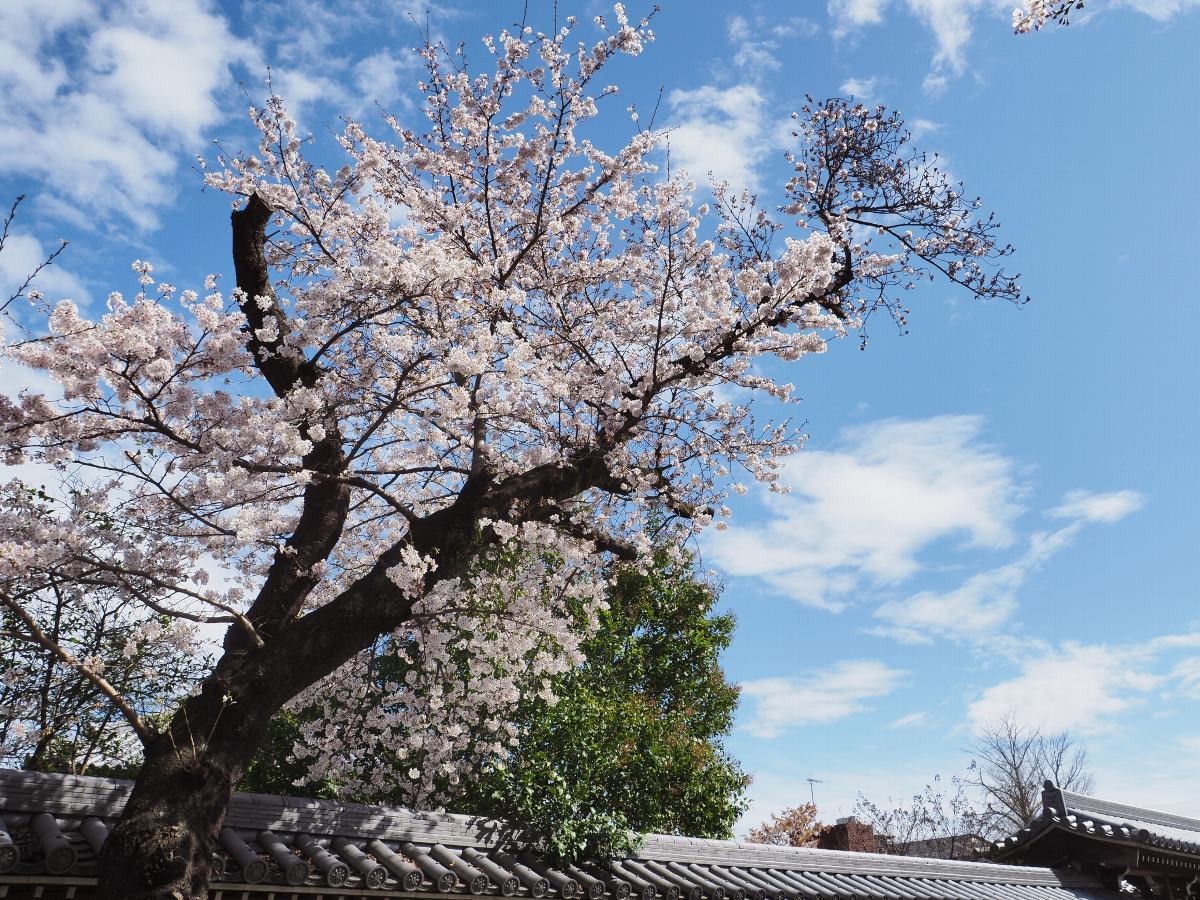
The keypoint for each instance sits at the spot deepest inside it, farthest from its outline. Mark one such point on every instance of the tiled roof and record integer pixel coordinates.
(55, 824)
(1106, 821)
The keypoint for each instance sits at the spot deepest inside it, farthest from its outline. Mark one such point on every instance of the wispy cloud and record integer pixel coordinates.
(758, 41)
(986, 601)
(1161, 9)
(22, 254)
(1086, 688)
(862, 89)
(951, 24)
(848, 15)
(860, 514)
(818, 697)
(1098, 507)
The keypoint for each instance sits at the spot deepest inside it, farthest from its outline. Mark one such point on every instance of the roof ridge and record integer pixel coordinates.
(851, 860)
(1123, 812)
(283, 801)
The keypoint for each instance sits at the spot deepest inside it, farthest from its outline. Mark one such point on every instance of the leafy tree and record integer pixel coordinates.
(796, 826)
(377, 410)
(53, 716)
(631, 743)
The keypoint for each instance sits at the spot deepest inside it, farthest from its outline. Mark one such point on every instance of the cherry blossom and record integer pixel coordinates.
(423, 435)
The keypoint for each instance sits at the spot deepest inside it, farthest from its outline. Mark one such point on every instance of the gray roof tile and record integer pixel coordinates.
(1106, 820)
(267, 838)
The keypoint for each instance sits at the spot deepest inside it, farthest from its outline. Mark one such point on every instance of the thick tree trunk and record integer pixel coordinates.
(162, 847)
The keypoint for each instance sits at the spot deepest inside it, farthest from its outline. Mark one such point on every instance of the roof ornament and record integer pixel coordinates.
(9, 854)
(254, 868)
(60, 855)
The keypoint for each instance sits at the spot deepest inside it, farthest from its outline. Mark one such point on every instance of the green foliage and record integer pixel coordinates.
(632, 744)
(273, 770)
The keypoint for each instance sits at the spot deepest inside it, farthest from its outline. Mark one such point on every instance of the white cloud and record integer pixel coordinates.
(818, 697)
(719, 130)
(1096, 507)
(795, 26)
(102, 98)
(849, 15)
(987, 600)
(912, 720)
(379, 76)
(979, 606)
(921, 127)
(860, 514)
(750, 53)
(950, 22)
(1075, 688)
(756, 42)
(1187, 676)
(21, 255)
(301, 89)
(1086, 687)
(862, 89)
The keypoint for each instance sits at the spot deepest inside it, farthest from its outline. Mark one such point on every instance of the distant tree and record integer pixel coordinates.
(53, 716)
(632, 743)
(940, 822)
(1011, 762)
(796, 826)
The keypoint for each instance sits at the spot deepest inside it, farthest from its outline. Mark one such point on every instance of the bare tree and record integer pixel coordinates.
(1012, 760)
(939, 822)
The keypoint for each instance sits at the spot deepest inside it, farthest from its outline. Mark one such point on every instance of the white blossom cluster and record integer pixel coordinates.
(1042, 12)
(433, 698)
(542, 338)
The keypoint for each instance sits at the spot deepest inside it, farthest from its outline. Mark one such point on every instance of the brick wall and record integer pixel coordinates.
(849, 835)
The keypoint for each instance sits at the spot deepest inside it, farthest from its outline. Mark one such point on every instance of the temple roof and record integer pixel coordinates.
(1104, 821)
(57, 823)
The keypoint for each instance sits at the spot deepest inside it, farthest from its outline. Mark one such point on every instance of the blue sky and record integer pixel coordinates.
(997, 512)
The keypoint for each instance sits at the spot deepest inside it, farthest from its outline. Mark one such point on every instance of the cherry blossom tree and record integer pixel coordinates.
(482, 341)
